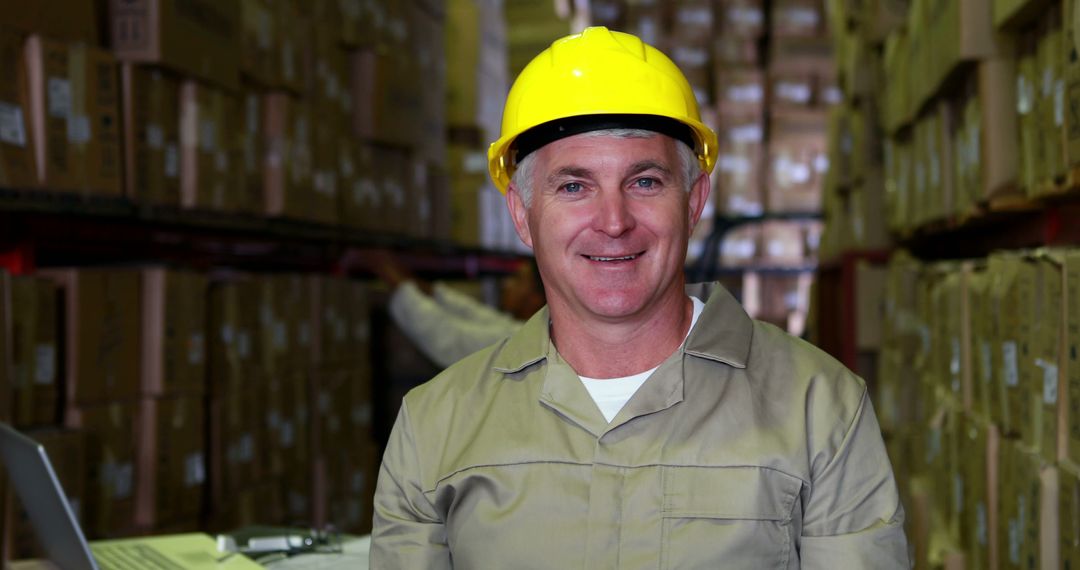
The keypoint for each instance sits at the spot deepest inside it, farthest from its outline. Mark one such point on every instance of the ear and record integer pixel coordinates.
(519, 214)
(699, 196)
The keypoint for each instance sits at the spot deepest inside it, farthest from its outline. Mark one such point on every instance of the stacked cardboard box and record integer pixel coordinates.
(34, 343)
(151, 114)
(171, 471)
(74, 116)
(102, 338)
(18, 163)
(990, 342)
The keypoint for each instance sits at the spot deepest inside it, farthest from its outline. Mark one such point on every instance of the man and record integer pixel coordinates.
(633, 423)
(447, 325)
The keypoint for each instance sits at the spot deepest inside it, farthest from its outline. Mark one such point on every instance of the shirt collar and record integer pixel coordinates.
(725, 335)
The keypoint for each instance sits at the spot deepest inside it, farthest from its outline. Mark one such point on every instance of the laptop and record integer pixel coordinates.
(54, 522)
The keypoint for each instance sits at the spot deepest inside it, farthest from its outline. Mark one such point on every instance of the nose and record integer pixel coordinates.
(614, 217)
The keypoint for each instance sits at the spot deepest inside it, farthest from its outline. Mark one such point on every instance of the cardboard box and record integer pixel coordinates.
(288, 164)
(195, 37)
(1004, 270)
(463, 45)
(797, 162)
(392, 180)
(1024, 400)
(1030, 139)
(798, 18)
(360, 21)
(18, 166)
(468, 175)
(1046, 352)
(259, 56)
(980, 492)
(983, 346)
(102, 320)
(1070, 309)
(171, 459)
(997, 161)
(1011, 14)
(65, 20)
(211, 141)
(232, 336)
(276, 340)
(233, 458)
(8, 335)
(67, 453)
(173, 333)
(1050, 104)
(739, 179)
(439, 195)
(34, 342)
(783, 243)
(75, 108)
(253, 148)
(742, 18)
(361, 474)
(295, 36)
(387, 100)
(326, 182)
(1072, 87)
(328, 302)
(359, 195)
(1069, 514)
(870, 305)
(740, 91)
(110, 430)
(151, 110)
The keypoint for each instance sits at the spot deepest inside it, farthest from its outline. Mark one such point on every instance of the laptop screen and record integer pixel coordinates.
(38, 488)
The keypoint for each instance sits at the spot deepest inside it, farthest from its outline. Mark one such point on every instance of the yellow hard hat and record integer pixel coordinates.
(593, 80)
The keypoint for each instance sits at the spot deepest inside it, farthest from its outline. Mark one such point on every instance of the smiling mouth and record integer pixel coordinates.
(605, 259)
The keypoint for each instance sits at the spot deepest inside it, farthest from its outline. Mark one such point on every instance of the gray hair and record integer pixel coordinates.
(522, 178)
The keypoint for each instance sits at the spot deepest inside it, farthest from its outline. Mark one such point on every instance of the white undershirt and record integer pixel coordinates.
(611, 394)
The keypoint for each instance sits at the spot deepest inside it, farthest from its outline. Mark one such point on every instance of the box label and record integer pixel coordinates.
(12, 126)
(196, 348)
(288, 434)
(243, 344)
(155, 137)
(1050, 381)
(194, 470)
(208, 136)
(172, 160)
(78, 129)
(1011, 369)
(45, 364)
(59, 97)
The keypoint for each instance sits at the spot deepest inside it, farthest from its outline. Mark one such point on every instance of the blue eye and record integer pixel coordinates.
(572, 187)
(645, 182)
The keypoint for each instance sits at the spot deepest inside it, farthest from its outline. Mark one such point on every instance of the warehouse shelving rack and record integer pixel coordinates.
(39, 228)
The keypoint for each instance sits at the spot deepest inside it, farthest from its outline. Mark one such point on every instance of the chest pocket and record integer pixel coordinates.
(727, 517)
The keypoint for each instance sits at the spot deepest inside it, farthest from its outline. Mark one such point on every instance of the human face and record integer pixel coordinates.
(609, 222)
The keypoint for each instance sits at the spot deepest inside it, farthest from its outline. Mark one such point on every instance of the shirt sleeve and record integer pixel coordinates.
(465, 306)
(407, 532)
(854, 518)
(444, 335)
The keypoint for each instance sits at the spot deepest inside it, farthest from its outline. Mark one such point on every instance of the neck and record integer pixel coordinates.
(599, 348)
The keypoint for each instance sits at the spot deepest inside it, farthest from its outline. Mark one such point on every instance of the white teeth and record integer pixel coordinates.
(624, 258)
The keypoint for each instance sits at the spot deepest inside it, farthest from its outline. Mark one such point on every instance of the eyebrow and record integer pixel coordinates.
(568, 172)
(581, 172)
(644, 165)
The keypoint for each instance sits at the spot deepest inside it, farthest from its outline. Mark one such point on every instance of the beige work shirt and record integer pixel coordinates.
(747, 448)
